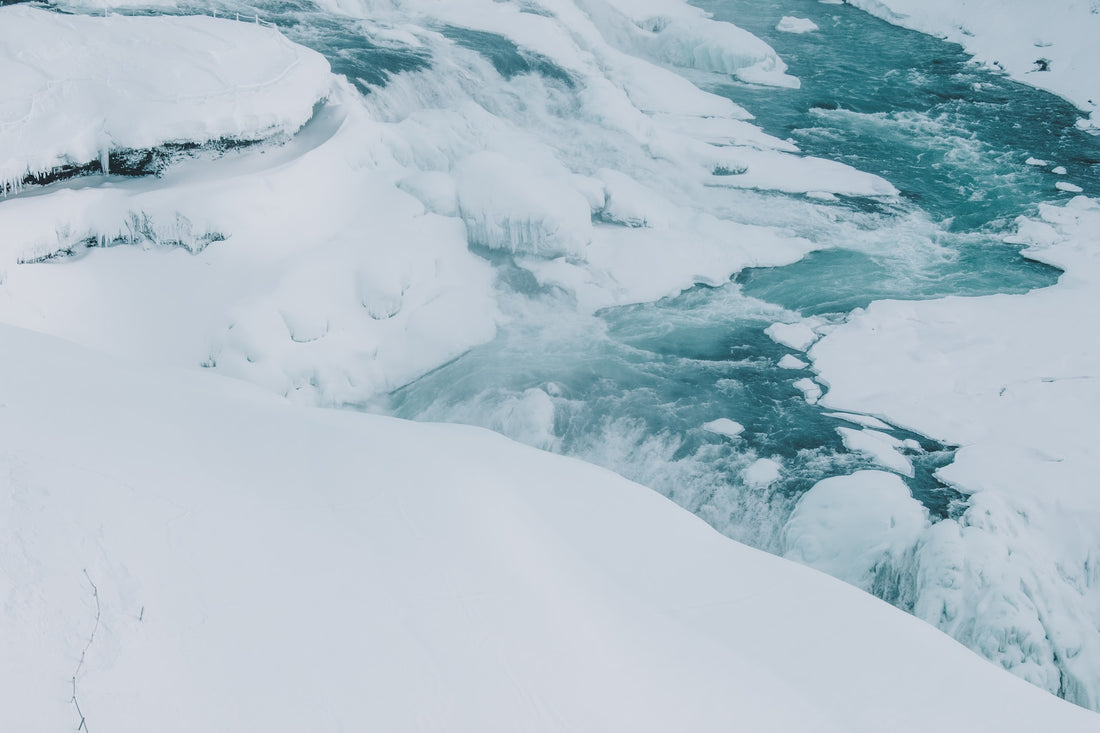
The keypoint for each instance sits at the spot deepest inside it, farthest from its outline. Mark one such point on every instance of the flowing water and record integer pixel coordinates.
(631, 387)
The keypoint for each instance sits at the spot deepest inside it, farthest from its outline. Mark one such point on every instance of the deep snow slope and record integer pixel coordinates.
(1052, 46)
(202, 556)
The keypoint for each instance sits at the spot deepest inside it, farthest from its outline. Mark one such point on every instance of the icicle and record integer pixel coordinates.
(105, 160)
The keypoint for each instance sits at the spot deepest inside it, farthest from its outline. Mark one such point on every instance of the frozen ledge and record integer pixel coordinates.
(79, 88)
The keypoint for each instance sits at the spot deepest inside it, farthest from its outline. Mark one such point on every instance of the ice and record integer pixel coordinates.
(724, 426)
(1037, 162)
(859, 528)
(507, 205)
(682, 35)
(762, 472)
(798, 336)
(200, 80)
(879, 447)
(1013, 36)
(1012, 379)
(811, 390)
(864, 420)
(1068, 187)
(1058, 170)
(790, 24)
(789, 361)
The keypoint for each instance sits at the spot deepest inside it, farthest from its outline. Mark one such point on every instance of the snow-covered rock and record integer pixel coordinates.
(77, 88)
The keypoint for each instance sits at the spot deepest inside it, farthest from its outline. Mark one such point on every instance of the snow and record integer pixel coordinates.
(864, 420)
(290, 567)
(724, 426)
(493, 587)
(879, 447)
(855, 527)
(790, 361)
(762, 472)
(62, 103)
(790, 24)
(1014, 35)
(798, 336)
(811, 390)
(1013, 380)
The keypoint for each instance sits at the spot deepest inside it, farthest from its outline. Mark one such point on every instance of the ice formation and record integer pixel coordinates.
(1014, 381)
(76, 98)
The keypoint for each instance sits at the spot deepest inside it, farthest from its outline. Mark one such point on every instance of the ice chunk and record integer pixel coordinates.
(1059, 170)
(855, 527)
(791, 362)
(811, 390)
(790, 24)
(879, 447)
(1068, 187)
(798, 336)
(865, 420)
(1037, 162)
(724, 426)
(761, 473)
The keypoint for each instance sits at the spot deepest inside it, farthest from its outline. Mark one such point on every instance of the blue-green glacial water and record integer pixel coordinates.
(631, 387)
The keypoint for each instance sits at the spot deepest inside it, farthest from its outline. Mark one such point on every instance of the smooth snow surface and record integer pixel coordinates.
(1052, 46)
(221, 559)
(78, 87)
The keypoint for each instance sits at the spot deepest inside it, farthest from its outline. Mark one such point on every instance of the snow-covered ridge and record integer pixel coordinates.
(218, 558)
(77, 88)
(1052, 46)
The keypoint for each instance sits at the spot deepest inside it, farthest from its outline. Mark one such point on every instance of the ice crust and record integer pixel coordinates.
(1015, 36)
(1013, 380)
(71, 91)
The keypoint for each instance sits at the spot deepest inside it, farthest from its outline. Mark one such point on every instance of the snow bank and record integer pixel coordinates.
(1047, 45)
(1015, 381)
(197, 556)
(855, 527)
(78, 87)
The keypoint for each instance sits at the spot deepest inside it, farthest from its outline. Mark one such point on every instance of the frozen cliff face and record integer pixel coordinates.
(79, 88)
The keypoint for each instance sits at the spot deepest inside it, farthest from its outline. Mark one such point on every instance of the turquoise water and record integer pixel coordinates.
(630, 388)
